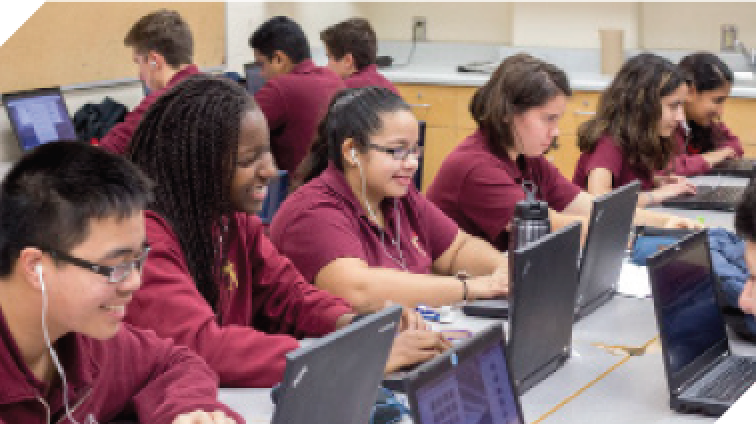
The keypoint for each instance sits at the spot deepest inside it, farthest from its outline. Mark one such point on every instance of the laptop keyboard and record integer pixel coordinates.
(731, 383)
(723, 194)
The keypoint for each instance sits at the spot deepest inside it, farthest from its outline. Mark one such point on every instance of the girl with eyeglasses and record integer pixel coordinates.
(359, 228)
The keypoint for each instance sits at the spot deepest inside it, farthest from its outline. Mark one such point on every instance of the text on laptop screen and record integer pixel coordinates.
(692, 323)
(40, 120)
(476, 391)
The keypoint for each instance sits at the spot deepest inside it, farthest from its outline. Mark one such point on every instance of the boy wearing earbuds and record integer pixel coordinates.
(296, 94)
(72, 244)
(162, 48)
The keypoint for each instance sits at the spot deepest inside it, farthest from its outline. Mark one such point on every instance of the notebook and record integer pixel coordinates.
(470, 384)
(38, 116)
(336, 379)
(703, 376)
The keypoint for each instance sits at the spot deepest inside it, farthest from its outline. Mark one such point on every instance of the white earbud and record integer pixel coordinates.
(353, 152)
(153, 64)
(38, 269)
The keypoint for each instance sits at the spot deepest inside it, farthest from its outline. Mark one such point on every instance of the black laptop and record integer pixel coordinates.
(336, 380)
(38, 116)
(702, 374)
(605, 247)
(734, 168)
(470, 384)
(542, 305)
(253, 76)
(708, 197)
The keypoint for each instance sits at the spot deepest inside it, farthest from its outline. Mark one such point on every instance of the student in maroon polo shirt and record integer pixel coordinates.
(162, 48)
(705, 141)
(297, 92)
(73, 243)
(359, 229)
(481, 181)
(630, 138)
(213, 280)
(351, 48)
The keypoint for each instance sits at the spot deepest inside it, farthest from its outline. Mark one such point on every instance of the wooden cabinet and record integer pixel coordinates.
(580, 108)
(740, 117)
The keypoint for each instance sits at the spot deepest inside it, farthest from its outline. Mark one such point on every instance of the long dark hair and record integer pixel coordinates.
(187, 142)
(353, 113)
(629, 111)
(706, 72)
(520, 83)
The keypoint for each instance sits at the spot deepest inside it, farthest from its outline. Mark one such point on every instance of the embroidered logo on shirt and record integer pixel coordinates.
(229, 270)
(415, 240)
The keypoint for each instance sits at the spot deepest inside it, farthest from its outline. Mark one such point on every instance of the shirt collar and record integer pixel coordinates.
(304, 67)
(334, 179)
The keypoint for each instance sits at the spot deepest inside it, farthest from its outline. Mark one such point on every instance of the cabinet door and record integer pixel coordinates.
(739, 116)
(464, 96)
(436, 105)
(580, 108)
(439, 142)
(565, 156)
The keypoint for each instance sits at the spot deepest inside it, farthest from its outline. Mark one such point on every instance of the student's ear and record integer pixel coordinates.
(347, 147)
(31, 262)
(349, 62)
(281, 61)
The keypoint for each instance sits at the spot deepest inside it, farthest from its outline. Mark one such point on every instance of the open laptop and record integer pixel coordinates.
(336, 379)
(542, 307)
(38, 116)
(743, 168)
(715, 198)
(470, 384)
(702, 373)
(605, 247)
(253, 76)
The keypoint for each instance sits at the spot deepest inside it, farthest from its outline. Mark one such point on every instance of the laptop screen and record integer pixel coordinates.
(476, 391)
(253, 74)
(690, 321)
(39, 119)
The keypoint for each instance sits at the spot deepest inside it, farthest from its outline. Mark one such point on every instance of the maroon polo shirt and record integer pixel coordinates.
(479, 190)
(293, 105)
(118, 139)
(689, 162)
(608, 154)
(369, 77)
(323, 221)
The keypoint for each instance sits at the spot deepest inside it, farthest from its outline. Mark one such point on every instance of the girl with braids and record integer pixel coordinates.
(213, 281)
(360, 230)
(705, 141)
(631, 136)
(517, 111)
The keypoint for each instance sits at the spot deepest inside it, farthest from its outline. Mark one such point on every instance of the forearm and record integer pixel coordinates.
(650, 218)
(560, 220)
(477, 257)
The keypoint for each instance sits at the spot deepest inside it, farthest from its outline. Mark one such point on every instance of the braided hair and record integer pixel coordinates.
(187, 142)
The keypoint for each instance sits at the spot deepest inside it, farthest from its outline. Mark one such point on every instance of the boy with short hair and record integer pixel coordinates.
(72, 245)
(162, 48)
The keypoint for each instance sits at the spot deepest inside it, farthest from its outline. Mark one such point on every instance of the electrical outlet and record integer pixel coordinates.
(419, 28)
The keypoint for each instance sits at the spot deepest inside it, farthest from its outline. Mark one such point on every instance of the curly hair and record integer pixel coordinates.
(187, 142)
(629, 111)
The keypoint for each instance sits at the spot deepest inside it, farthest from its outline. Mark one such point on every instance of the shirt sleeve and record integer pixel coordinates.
(728, 139)
(689, 165)
(439, 228)
(118, 139)
(170, 304)
(272, 103)
(554, 188)
(315, 237)
(606, 155)
(172, 379)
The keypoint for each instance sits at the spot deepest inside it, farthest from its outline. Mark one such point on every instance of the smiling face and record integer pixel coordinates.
(672, 110)
(254, 164)
(83, 301)
(705, 107)
(535, 129)
(386, 176)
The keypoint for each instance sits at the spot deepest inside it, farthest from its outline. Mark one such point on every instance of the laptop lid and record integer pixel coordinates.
(336, 379)
(470, 384)
(691, 327)
(605, 246)
(542, 305)
(253, 76)
(38, 116)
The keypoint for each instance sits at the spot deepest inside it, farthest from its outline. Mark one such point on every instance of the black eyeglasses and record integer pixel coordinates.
(115, 274)
(399, 153)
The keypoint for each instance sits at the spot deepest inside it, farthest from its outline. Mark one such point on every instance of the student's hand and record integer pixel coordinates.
(667, 190)
(413, 347)
(661, 180)
(745, 301)
(202, 417)
(488, 286)
(412, 320)
(686, 223)
(718, 156)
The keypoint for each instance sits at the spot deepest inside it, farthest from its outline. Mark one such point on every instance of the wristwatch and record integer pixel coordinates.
(463, 276)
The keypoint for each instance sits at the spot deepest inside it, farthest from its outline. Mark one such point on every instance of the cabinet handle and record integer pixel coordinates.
(580, 112)
(420, 105)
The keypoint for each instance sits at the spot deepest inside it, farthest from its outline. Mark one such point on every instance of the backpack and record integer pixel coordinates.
(95, 120)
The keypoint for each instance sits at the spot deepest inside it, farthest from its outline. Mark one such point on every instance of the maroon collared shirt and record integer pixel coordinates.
(323, 221)
(369, 77)
(118, 139)
(293, 105)
(479, 190)
(608, 154)
(689, 162)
